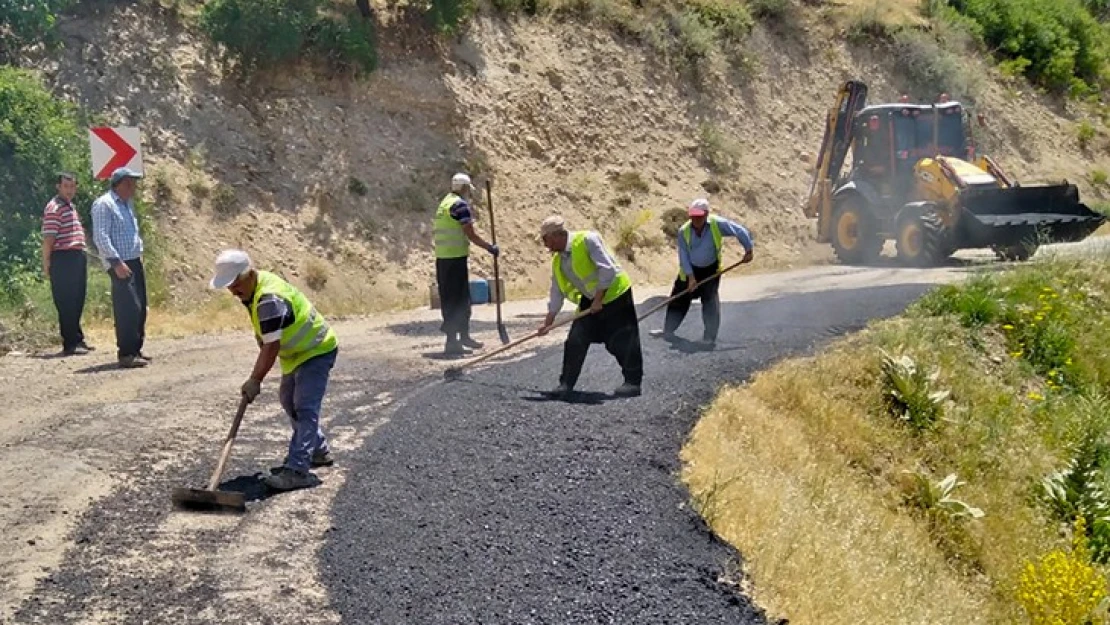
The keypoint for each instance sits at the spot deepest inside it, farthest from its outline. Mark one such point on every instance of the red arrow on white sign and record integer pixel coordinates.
(113, 148)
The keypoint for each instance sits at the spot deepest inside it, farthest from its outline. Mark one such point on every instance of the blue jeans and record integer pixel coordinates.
(302, 393)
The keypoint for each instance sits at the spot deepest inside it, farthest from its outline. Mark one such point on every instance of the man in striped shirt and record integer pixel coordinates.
(64, 264)
(116, 235)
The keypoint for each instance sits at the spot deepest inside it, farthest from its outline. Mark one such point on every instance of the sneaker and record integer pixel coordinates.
(560, 392)
(145, 357)
(131, 362)
(288, 479)
(85, 346)
(322, 459)
(707, 343)
(662, 334)
(466, 341)
(74, 351)
(627, 390)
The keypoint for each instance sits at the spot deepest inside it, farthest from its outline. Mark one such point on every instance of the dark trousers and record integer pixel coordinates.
(69, 280)
(710, 303)
(129, 309)
(453, 283)
(615, 326)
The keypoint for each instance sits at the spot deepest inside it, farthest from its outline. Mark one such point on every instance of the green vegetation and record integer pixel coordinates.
(1058, 44)
(263, 33)
(964, 447)
(40, 136)
(27, 23)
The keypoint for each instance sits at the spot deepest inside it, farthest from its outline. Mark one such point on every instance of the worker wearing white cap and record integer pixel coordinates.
(699, 257)
(454, 232)
(289, 329)
(583, 271)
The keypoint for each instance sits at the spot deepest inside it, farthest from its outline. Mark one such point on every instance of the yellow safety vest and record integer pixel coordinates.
(585, 270)
(451, 241)
(309, 335)
(713, 227)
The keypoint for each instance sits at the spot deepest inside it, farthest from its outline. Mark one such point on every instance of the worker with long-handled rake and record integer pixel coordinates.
(586, 273)
(700, 248)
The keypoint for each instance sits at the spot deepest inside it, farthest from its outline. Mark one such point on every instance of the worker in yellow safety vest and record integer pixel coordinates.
(586, 273)
(700, 248)
(454, 232)
(289, 330)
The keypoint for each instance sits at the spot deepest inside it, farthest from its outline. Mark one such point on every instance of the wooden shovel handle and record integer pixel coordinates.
(215, 481)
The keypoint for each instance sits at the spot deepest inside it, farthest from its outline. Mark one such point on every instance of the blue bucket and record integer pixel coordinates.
(479, 292)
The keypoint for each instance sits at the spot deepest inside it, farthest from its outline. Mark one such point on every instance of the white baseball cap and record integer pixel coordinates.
(698, 208)
(230, 264)
(459, 180)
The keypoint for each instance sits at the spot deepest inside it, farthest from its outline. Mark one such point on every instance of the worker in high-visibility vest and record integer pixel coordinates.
(586, 273)
(454, 232)
(700, 248)
(289, 330)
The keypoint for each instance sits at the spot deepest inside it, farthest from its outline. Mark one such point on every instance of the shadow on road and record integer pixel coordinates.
(586, 398)
(101, 368)
(252, 487)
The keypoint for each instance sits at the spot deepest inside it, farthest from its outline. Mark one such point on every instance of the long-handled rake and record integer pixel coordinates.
(452, 373)
(212, 500)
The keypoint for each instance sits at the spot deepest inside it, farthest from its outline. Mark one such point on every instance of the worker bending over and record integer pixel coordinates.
(700, 248)
(583, 271)
(288, 328)
(454, 232)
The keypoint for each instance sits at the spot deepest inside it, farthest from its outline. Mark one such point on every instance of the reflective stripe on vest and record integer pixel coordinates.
(713, 227)
(451, 241)
(582, 277)
(308, 336)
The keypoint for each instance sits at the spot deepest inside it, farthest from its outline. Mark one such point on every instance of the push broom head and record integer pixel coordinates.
(200, 500)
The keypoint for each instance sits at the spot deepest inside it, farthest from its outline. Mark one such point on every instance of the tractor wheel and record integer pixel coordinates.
(922, 241)
(1015, 253)
(855, 236)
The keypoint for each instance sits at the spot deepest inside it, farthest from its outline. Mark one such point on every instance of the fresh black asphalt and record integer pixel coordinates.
(481, 501)
(484, 502)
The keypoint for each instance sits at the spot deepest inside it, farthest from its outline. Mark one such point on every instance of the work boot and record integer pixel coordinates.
(289, 479)
(560, 392)
(471, 343)
(627, 389)
(131, 362)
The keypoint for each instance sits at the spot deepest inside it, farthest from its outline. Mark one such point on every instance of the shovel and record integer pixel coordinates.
(501, 331)
(212, 500)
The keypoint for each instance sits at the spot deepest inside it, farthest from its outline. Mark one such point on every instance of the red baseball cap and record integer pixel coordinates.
(699, 208)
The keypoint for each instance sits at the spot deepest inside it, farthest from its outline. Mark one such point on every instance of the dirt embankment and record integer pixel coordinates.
(334, 181)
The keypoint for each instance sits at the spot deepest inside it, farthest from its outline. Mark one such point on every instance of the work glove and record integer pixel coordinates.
(496, 251)
(250, 389)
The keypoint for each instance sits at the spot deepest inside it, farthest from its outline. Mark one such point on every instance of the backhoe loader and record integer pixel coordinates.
(915, 178)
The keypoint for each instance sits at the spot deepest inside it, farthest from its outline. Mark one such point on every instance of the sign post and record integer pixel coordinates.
(113, 148)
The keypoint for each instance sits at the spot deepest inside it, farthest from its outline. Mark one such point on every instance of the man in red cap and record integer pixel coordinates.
(700, 247)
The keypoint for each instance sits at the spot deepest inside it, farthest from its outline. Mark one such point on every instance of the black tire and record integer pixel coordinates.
(928, 246)
(857, 242)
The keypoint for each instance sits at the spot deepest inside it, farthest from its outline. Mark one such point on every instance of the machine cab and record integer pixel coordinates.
(889, 139)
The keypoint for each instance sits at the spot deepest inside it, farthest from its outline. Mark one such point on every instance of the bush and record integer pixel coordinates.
(1066, 48)
(769, 9)
(447, 15)
(39, 136)
(731, 20)
(23, 24)
(265, 33)
(928, 68)
(1062, 587)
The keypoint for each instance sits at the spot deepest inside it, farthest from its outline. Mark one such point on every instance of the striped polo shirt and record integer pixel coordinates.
(61, 221)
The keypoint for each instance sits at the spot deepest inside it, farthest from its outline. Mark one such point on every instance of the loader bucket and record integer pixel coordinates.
(1006, 216)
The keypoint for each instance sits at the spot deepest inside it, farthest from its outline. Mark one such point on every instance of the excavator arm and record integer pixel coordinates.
(850, 99)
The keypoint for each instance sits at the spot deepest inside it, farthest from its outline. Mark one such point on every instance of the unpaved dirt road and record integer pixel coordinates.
(393, 534)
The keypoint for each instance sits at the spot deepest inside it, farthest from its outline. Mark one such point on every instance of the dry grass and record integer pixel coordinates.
(815, 488)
